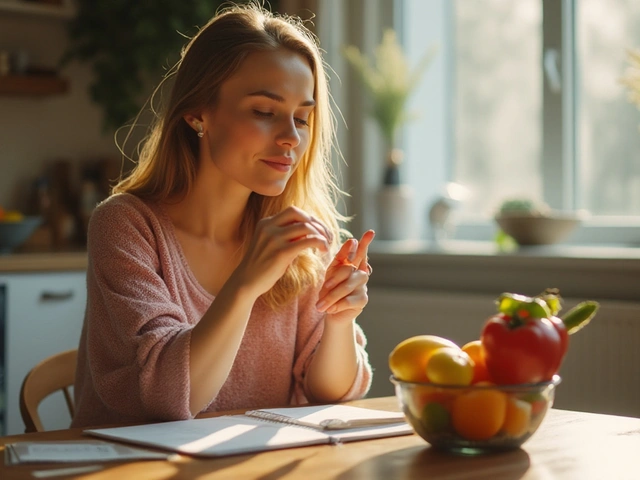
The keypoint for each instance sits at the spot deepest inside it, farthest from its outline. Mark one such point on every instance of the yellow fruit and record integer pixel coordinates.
(12, 216)
(517, 418)
(450, 366)
(479, 414)
(408, 360)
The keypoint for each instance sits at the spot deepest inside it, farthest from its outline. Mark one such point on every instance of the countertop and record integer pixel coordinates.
(595, 272)
(43, 261)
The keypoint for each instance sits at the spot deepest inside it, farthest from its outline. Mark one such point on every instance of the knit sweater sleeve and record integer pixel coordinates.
(310, 329)
(138, 337)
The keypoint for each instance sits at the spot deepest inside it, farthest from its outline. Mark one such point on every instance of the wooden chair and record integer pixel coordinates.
(49, 376)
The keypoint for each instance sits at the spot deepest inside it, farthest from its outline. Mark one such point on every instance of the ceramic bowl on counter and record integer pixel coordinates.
(538, 229)
(13, 233)
(478, 418)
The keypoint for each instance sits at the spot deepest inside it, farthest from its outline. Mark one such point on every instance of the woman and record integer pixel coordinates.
(216, 280)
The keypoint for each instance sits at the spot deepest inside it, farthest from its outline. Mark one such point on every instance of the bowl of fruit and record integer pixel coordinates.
(15, 229)
(493, 393)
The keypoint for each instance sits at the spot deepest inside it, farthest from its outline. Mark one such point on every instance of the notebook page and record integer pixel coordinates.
(329, 417)
(213, 437)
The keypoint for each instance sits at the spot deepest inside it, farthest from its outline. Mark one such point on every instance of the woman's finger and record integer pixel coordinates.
(363, 247)
(339, 274)
(347, 251)
(356, 281)
(356, 301)
(298, 230)
(327, 232)
(292, 215)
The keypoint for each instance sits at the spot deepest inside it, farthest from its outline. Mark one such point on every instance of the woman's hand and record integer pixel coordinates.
(278, 240)
(344, 292)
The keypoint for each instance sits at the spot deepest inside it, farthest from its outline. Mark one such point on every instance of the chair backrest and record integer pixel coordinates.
(49, 376)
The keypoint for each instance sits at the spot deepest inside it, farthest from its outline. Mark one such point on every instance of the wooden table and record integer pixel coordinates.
(568, 445)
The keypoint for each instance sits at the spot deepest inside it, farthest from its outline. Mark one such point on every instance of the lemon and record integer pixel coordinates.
(408, 360)
(450, 366)
(12, 216)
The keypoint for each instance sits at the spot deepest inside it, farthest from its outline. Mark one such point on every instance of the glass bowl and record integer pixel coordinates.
(475, 419)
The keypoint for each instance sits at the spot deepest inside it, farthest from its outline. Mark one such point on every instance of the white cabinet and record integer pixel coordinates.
(44, 314)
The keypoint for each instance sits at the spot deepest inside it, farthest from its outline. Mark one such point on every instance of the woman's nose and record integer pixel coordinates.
(288, 135)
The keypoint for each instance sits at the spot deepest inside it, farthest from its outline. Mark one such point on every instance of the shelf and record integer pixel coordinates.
(64, 12)
(32, 85)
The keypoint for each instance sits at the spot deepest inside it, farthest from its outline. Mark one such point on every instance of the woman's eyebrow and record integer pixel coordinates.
(278, 98)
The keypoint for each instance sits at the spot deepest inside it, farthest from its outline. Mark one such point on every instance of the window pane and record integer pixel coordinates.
(608, 137)
(498, 101)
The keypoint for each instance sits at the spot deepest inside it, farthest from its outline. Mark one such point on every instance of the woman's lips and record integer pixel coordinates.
(280, 164)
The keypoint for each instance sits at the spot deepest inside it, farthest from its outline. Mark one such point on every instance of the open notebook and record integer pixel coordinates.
(261, 430)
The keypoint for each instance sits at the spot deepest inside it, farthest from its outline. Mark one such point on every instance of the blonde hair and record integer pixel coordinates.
(167, 164)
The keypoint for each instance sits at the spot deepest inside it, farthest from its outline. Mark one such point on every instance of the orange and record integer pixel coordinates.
(421, 398)
(479, 414)
(408, 360)
(476, 351)
(450, 366)
(517, 418)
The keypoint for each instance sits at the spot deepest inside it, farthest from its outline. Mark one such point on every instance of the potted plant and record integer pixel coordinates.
(389, 82)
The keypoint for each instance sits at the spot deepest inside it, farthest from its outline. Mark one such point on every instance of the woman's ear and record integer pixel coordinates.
(194, 121)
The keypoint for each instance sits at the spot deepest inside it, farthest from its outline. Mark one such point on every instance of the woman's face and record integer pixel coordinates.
(258, 131)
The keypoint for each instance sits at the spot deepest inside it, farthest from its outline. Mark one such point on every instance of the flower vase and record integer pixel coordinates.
(395, 201)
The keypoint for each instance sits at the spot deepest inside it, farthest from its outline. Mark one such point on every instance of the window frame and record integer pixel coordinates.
(559, 130)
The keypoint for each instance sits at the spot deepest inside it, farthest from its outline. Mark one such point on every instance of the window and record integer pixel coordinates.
(532, 106)
(608, 144)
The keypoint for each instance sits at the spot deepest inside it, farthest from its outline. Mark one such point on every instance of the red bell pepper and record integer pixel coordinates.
(526, 342)
(520, 348)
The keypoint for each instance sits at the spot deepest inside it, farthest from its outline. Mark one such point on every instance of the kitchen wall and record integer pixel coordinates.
(37, 130)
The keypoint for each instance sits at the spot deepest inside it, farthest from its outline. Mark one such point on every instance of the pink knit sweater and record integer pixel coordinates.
(143, 301)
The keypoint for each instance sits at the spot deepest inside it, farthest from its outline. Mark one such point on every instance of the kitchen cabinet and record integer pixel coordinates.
(43, 315)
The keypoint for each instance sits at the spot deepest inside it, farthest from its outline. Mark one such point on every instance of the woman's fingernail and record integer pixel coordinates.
(352, 249)
(321, 305)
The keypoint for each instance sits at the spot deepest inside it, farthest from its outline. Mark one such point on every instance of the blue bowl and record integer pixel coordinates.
(14, 234)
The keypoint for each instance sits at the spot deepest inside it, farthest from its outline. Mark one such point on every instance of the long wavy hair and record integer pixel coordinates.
(168, 161)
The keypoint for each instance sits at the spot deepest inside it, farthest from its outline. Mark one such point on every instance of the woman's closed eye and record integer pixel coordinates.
(260, 113)
(300, 121)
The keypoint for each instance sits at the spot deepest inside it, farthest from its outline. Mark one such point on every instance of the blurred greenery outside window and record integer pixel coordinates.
(526, 101)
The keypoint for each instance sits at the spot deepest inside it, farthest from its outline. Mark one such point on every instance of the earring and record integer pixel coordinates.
(200, 129)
